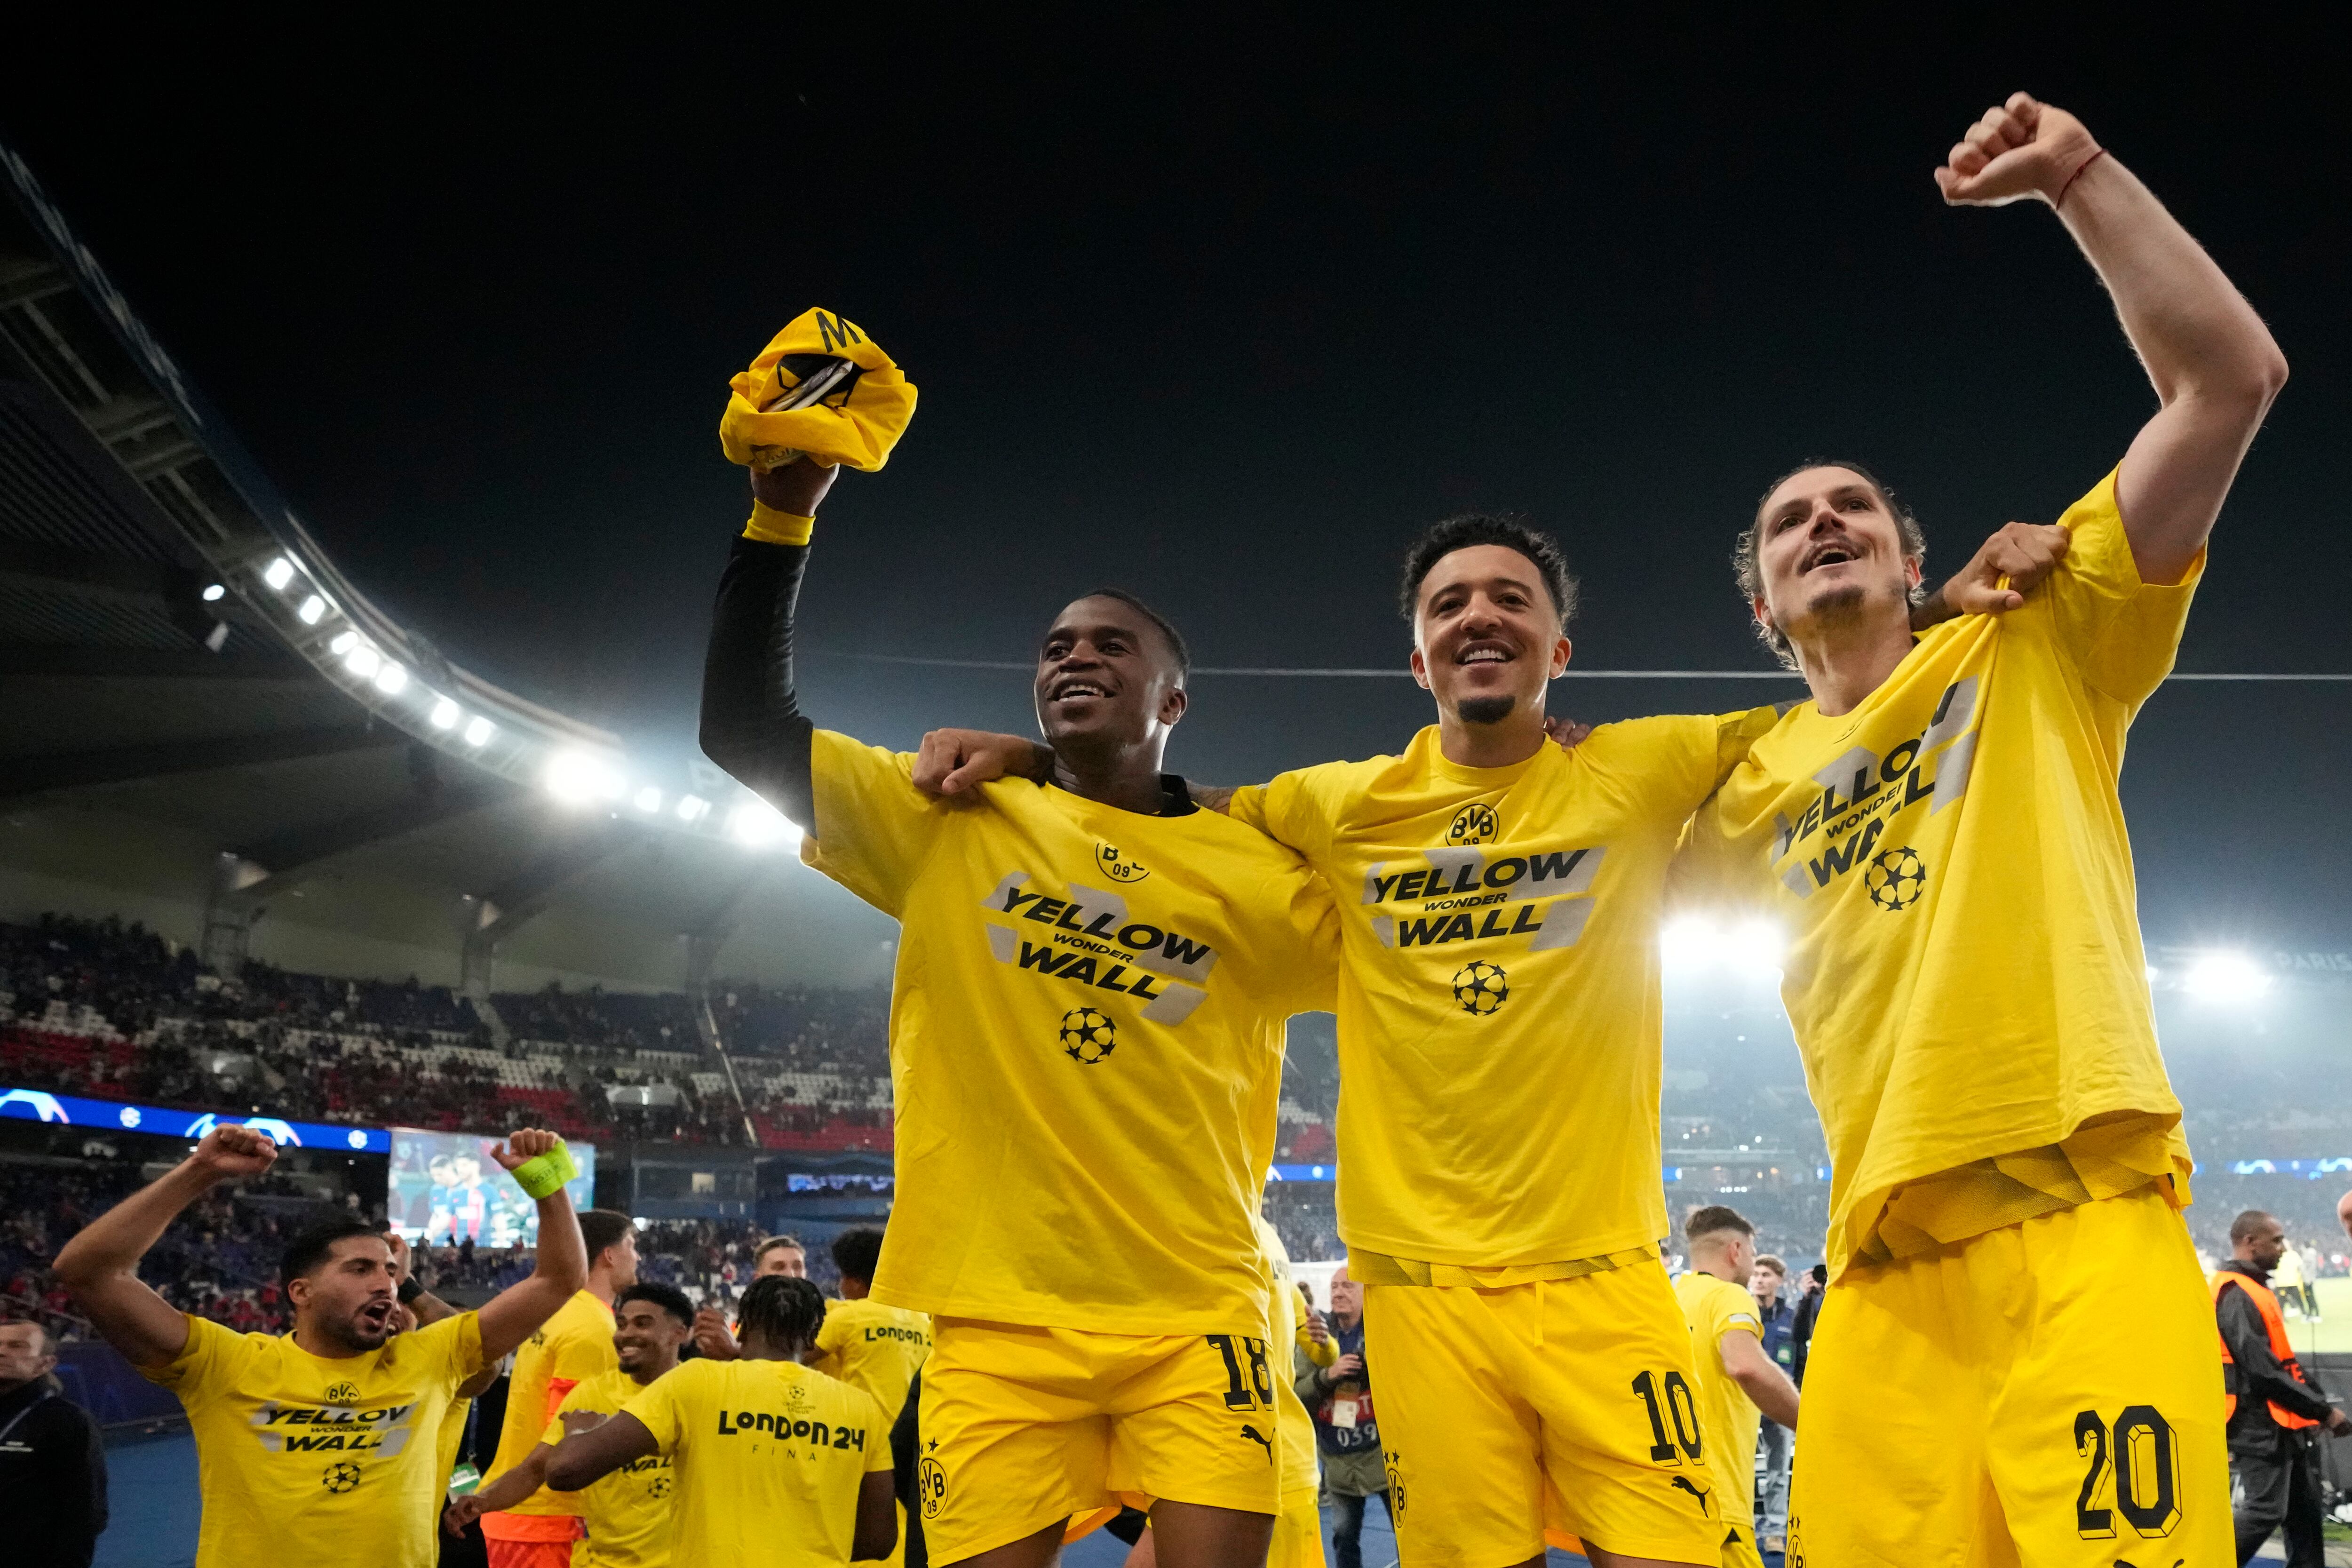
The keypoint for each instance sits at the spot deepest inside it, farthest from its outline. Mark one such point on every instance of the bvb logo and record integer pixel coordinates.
(1087, 1036)
(1474, 824)
(1896, 879)
(932, 1481)
(1396, 1488)
(340, 1477)
(343, 1394)
(1116, 868)
(1481, 988)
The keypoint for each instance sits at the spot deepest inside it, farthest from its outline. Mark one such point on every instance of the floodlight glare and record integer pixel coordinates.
(342, 643)
(391, 679)
(362, 661)
(1696, 943)
(577, 778)
(480, 731)
(756, 824)
(214, 592)
(692, 808)
(312, 608)
(2225, 977)
(649, 799)
(278, 573)
(444, 714)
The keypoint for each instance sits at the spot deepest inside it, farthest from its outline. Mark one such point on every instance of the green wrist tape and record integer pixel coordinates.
(543, 1175)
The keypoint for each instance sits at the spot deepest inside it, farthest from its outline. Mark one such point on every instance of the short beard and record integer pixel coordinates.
(1486, 710)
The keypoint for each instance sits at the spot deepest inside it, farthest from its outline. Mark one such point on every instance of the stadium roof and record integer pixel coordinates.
(204, 724)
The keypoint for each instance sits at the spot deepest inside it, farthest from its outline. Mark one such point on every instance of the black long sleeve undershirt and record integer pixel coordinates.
(752, 721)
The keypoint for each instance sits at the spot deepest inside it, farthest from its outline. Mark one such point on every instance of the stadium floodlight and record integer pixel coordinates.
(756, 824)
(2225, 977)
(444, 714)
(214, 592)
(312, 609)
(692, 808)
(577, 778)
(649, 799)
(362, 661)
(342, 643)
(278, 573)
(1696, 943)
(391, 679)
(480, 731)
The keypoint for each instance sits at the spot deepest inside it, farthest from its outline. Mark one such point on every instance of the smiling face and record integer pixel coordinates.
(1830, 551)
(1487, 636)
(646, 1339)
(348, 1301)
(1107, 679)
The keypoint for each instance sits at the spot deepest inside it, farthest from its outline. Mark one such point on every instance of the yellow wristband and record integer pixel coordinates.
(545, 1175)
(768, 526)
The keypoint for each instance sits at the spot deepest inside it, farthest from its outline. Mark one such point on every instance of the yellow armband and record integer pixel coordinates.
(768, 526)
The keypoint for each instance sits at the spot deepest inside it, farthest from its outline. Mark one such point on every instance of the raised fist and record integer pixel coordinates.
(2022, 149)
(713, 1337)
(229, 1151)
(523, 1145)
(795, 489)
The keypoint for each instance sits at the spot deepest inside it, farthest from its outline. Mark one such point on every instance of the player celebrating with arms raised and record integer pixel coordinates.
(1086, 1043)
(311, 1443)
(2015, 1362)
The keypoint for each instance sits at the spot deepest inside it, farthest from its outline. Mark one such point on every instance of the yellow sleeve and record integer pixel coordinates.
(1299, 809)
(1737, 734)
(877, 1434)
(1735, 1309)
(1314, 970)
(460, 1341)
(2122, 632)
(656, 1405)
(207, 1364)
(875, 830)
(1322, 1354)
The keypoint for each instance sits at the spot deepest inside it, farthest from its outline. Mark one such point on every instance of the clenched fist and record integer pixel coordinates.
(229, 1151)
(2022, 149)
(523, 1144)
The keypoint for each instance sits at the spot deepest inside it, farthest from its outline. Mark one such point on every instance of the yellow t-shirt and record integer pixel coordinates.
(1499, 1020)
(1086, 1044)
(627, 1515)
(871, 1345)
(768, 1456)
(1286, 1323)
(1712, 1307)
(300, 1455)
(1964, 975)
(568, 1349)
(451, 1434)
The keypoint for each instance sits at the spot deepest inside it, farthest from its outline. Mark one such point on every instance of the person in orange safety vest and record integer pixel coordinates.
(2273, 1404)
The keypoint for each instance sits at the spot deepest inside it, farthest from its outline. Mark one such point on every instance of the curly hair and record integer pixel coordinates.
(785, 1311)
(1471, 529)
(1746, 568)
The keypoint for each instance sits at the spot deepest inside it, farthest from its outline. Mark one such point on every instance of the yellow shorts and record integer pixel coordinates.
(1564, 1409)
(1023, 1427)
(1739, 1550)
(1297, 1532)
(2047, 1394)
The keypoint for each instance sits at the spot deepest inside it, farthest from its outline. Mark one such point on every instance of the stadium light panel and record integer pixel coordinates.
(278, 573)
(692, 808)
(391, 679)
(480, 731)
(312, 609)
(342, 643)
(362, 661)
(577, 778)
(214, 592)
(2225, 977)
(756, 824)
(649, 799)
(444, 714)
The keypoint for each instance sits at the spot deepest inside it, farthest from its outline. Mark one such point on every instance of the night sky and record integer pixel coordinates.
(1224, 314)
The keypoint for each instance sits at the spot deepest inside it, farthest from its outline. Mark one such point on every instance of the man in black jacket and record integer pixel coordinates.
(2278, 1482)
(48, 1450)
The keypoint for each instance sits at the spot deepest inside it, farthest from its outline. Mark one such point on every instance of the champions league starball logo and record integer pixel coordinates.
(1481, 988)
(1895, 880)
(340, 1477)
(1087, 1036)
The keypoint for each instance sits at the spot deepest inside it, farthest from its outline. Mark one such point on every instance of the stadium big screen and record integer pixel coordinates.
(445, 1189)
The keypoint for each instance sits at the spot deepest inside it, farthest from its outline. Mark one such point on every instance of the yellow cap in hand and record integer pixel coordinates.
(823, 390)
